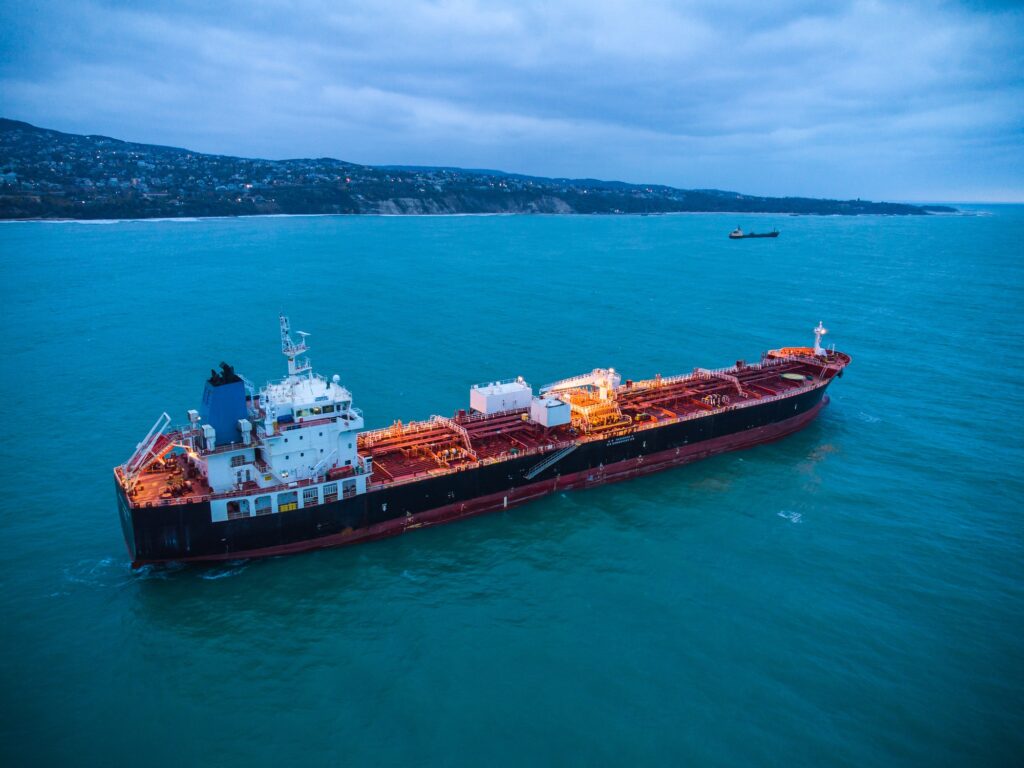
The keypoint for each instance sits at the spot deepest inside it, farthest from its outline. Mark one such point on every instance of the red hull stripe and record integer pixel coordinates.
(612, 473)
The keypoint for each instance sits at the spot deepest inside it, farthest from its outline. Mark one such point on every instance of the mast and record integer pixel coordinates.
(291, 350)
(818, 333)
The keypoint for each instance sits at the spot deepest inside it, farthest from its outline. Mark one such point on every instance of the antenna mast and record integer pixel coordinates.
(818, 333)
(291, 350)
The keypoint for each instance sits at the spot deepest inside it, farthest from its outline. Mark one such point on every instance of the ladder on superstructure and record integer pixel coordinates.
(321, 466)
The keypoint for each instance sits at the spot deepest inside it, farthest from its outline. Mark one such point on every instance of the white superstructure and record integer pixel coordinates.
(294, 445)
(308, 422)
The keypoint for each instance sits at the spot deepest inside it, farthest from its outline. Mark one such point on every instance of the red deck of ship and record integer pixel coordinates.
(405, 452)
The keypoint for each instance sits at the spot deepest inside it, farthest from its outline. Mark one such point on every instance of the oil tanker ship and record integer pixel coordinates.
(290, 468)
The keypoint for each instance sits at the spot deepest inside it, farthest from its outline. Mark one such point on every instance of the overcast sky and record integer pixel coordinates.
(912, 100)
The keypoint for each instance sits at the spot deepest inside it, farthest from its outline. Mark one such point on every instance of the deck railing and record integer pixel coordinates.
(472, 418)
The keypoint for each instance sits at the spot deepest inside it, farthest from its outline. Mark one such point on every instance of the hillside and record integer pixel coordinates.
(49, 174)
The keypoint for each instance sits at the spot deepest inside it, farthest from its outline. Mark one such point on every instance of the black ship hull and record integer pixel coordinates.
(185, 532)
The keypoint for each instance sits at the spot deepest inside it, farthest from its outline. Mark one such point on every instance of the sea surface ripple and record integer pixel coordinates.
(851, 596)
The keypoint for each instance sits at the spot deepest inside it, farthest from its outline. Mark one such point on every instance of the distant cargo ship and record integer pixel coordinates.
(290, 468)
(739, 234)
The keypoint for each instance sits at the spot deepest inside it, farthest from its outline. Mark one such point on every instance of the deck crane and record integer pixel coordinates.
(604, 380)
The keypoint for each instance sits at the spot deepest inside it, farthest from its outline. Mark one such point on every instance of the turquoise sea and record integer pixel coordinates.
(852, 596)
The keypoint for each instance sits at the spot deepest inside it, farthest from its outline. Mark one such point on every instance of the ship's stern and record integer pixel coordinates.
(124, 509)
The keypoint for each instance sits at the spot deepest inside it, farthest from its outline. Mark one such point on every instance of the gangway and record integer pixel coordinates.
(550, 461)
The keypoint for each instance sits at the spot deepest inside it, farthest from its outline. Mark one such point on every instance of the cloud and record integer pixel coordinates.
(892, 100)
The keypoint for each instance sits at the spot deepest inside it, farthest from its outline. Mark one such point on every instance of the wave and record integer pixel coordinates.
(105, 572)
(157, 572)
(233, 568)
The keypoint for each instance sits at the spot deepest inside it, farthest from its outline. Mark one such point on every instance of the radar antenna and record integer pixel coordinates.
(291, 350)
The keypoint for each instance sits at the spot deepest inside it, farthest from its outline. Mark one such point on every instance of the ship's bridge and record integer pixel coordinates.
(304, 397)
(305, 427)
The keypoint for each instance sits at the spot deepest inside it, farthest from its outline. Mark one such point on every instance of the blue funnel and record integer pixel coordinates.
(224, 404)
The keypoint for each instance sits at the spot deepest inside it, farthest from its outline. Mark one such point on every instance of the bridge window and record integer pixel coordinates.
(310, 497)
(239, 460)
(328, 409)
(348, 489)
(263, 506)
(238, 508)
(330, 493)
(286, 502)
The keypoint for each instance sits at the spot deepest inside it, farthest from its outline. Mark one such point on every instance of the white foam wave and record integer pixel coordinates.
(159, 572)
(233, 568)
(102, 221)
(104, 572)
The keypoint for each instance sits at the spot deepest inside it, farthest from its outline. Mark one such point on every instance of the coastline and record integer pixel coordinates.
(195, 219)
(49, 175)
